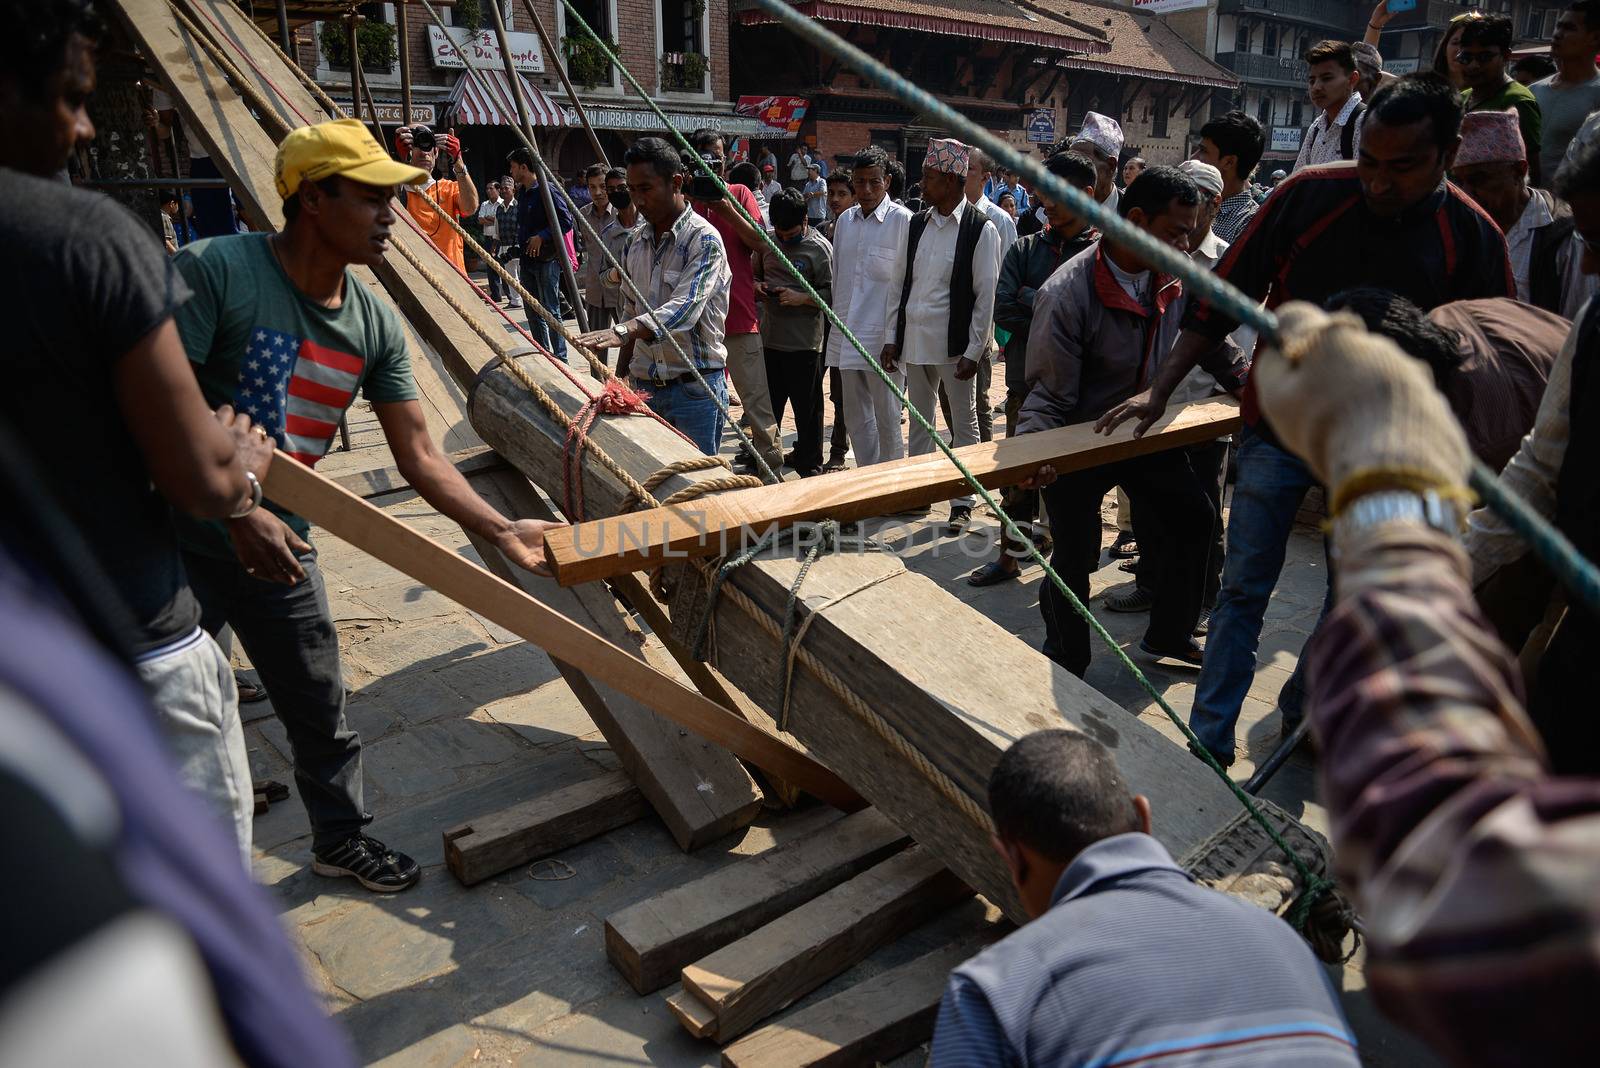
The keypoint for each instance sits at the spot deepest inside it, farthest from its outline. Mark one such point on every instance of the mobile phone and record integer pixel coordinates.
(1395, 7)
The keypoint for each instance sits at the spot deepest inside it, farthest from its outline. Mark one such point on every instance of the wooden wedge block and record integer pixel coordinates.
(761, 973)
(876, 1020)
(651, 941)
(692, 1013)
(493, 843)
(713, 526)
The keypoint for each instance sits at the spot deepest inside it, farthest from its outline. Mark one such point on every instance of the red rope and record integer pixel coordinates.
(616, 398)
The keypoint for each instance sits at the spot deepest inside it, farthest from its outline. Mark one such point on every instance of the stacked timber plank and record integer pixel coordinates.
(749, 940)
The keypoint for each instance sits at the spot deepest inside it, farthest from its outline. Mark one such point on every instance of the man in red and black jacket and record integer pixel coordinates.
(1388, 220)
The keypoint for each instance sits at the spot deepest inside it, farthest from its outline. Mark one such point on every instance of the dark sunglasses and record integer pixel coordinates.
(1466, 59)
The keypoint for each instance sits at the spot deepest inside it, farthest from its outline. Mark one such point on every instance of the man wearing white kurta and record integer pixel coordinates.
(944, 286)
(868, 240)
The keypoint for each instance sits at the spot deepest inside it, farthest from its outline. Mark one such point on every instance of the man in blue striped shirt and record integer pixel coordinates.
(679, 265)
(1127, 960)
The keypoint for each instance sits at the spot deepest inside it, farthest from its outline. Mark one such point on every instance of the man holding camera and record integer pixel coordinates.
(454, 194)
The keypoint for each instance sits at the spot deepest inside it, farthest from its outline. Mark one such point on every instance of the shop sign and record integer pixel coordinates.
(484, 50)
(783, 114)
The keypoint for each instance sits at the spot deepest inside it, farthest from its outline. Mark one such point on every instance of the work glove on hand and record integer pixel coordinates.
(1362, 414)
(402, 142)
(451, 145)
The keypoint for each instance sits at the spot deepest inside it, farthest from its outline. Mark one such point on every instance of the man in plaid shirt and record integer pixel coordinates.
(1473, 865)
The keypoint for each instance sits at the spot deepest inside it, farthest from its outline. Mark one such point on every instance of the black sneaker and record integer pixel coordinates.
(370, 862)
(960, 519)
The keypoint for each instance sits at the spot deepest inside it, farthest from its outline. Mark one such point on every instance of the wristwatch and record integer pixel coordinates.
(1427, 508)
(622, 331)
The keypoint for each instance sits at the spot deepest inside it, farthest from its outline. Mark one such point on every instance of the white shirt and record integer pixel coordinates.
(927, 339)
(488, 215)
(771, 189)
(1322, 142)
(865, 251)
(1576, 287)
(1004, 224)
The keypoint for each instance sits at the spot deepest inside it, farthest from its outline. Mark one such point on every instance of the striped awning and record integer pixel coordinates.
(496, 106)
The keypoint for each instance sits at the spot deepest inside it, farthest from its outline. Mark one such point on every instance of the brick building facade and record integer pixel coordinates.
(1006, 65)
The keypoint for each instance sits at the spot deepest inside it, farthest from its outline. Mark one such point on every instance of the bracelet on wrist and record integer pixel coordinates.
(255, 496)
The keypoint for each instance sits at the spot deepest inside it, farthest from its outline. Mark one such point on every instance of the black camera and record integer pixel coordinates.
(422, 137)
(701, 185)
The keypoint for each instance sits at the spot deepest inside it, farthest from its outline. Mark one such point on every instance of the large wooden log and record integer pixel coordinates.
(715, 526)
(955, 686)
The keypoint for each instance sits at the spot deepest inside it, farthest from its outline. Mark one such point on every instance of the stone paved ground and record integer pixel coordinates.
(458, 717)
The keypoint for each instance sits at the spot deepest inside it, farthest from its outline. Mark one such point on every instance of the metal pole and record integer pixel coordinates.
(545, 177)
(403, 31)
(355, 67)
(1269, 767)
(561, 71)
(284, 38)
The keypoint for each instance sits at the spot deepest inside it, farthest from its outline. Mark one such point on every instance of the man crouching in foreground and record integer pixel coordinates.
(1127, 958)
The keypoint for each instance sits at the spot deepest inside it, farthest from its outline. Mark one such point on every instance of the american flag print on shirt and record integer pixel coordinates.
(297, 389)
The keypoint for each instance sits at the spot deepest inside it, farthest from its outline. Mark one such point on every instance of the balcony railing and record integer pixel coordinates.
(684, 72)
(1272, 70)
(1348, 19)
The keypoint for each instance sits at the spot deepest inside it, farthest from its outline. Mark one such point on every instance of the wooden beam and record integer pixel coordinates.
(763, 972)
(700, 791)
(872, 1022)
(713, 525)
(487, 845)
(695, 1016)
(650, 942)
(342, 513)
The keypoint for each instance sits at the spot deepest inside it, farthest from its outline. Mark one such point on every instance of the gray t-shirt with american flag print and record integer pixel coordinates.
(260, 344)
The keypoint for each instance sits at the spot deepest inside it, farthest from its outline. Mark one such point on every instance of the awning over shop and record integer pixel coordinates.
(498, 107)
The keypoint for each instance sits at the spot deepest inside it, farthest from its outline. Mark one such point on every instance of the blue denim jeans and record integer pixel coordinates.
(1271, 484)
(542, 278)
(685, 404)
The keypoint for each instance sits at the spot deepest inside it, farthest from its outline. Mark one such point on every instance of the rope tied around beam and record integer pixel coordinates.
(614, 398)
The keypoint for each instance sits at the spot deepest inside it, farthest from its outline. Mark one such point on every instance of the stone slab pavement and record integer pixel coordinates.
(459, 717)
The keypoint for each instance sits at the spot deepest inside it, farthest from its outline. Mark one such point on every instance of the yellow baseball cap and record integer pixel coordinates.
(344, 146)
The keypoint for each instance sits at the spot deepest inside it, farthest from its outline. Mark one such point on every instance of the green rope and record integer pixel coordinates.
(1166, 257)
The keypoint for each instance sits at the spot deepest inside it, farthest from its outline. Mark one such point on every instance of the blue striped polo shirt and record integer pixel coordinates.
(1136, 964)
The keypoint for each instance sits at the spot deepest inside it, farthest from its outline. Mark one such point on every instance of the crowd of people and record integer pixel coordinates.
(1432, 259)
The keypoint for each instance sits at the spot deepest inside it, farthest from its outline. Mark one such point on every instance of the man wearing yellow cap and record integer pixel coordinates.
(280, 328)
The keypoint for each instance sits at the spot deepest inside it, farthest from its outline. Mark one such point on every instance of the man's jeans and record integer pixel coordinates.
(1271, 484)
(685, 404)
(542, 278)
(288, 633)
